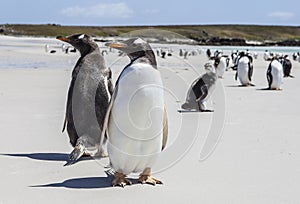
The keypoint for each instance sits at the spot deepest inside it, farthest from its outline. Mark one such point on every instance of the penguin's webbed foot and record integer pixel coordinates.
(103, 153)
(121, 180)
(77, 152)
(148, 179)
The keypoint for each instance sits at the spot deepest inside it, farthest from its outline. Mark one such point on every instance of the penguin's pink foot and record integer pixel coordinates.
(146, 178)
(120, 180)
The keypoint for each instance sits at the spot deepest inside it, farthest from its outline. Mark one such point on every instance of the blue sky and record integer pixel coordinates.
(150, 12)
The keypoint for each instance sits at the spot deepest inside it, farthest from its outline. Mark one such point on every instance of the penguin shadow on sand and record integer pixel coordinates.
(74, 183)
(64, 157)
(269, 89)
(85, 183)
(241, 86)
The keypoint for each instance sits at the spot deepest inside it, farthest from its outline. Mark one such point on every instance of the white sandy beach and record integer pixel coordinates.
(256, 159)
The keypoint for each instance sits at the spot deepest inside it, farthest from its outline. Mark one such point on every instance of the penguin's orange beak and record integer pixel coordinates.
(65, 39)
(116, 45)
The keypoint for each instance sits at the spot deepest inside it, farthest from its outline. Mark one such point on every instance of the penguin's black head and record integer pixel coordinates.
(82, 42)
(217, 61)
(242, 54)
(135, 48)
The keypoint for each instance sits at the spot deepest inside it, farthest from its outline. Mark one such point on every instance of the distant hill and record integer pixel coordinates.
(202, 34)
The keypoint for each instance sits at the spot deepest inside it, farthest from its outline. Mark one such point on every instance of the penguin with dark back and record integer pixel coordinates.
(88, 98)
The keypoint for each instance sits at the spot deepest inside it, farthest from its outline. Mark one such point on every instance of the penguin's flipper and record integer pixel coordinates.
(204, 91)
(165, 129)
(107, 115)
(269, 76)
(75, 155)
(250, 72)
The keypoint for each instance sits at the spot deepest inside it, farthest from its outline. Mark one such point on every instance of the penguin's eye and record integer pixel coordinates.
(81, 36)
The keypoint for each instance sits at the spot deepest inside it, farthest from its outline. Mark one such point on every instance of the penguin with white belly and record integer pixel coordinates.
(222, 63)
(244, 69)
(287, 66)
(275, 75)
(136, 120)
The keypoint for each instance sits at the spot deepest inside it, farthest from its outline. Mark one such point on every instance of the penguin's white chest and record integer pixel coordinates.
(135, 127)
(277, 74)
(243, 70)
(221, 67)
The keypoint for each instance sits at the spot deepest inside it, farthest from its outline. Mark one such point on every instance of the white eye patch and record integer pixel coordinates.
(139, 41)
(81, 36)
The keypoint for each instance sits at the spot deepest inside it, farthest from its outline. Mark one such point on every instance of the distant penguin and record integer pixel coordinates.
(200, 90)
(221, 64)
(46, 48)
(163, 54)
(234, 59)
(208, 53)
(185, 54)
(180, 52)
(267, 55)
(88, 97)
(136, 120)
(244, 69)
(287, 66)
(275, 75)
(295, 56)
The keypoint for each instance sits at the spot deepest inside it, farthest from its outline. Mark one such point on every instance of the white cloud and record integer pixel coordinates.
(102, 10)
(282, 15)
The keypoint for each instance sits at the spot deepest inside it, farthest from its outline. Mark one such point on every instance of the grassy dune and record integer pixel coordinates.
(200, 33)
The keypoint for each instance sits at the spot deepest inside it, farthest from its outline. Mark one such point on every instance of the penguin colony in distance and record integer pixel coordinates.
(136, 120)
(200, 90)
(88, 97)
(242, 62)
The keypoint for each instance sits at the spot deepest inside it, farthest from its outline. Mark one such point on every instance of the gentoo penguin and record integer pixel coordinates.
(267, 56)
(136, 120)
(244, 69)
(287, 66)
(275, 75)
(234, 59)
(295, 56)
(88, 97)
(221, 64)
(200, 90)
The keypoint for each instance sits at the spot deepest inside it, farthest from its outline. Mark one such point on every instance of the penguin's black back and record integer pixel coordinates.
(205, 80)
(88, 96)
